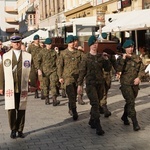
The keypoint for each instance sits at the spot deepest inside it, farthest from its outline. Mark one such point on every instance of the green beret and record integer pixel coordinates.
(36, 37)
(15, 38)
(48, 41)
(127, 43)
(104, 35)
(75, 38)
(92, 40)
(70, 39)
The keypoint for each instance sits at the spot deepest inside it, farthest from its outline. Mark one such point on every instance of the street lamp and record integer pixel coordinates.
(100, 22)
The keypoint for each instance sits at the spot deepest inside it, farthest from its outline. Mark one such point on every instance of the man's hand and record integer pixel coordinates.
(80, 89)
(1, 92)
(137, 81)
(61, 80)
(39, 72)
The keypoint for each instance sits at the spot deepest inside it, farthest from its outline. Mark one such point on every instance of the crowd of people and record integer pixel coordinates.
(42, 67)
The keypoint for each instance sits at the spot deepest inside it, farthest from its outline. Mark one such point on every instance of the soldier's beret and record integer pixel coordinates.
(127, 43)
(48, 41)
(75, 38)
(36, 37)
(104, 35)
(70, 39)
(92, 40)
(15, 37)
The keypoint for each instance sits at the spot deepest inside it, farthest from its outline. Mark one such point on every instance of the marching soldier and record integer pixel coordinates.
(34, 50)
(46, 64)
(91, 68)
(68, 71)
(132, 71)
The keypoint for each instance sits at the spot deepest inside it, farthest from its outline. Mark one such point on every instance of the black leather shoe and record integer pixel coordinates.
(20, 134)
(13, 134)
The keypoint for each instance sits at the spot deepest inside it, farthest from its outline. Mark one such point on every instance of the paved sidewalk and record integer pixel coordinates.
(52, 128)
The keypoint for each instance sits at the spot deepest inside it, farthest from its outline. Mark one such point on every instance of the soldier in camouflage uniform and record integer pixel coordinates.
(47, 68)
(91, 68)
(132, 70)
(34, 50)
(107, 76)
(68, 71)
(80, 96)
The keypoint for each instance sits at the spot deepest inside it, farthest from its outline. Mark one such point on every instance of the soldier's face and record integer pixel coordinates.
(71, 45)
(94, 46)
(129, 50)
(48, 46)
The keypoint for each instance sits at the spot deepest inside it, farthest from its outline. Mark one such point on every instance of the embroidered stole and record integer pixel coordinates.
(9, 80)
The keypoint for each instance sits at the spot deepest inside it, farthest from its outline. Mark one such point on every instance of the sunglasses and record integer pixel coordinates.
(17, 42)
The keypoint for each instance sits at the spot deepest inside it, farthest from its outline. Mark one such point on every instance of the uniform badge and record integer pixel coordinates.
(7, 62)
(27, 63)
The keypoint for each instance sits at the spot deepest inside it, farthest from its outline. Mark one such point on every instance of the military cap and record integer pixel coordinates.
(48, 41)
(70, 39)
(15, 37)
(92, 40)
(75, 38)
(127, 43)
(36, 37)
(104, 35)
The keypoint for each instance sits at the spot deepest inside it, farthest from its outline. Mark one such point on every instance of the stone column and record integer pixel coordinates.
(61, 4)
(48, 8)
(56, 6)
(41, 9)
(44, 12)
(52, 7)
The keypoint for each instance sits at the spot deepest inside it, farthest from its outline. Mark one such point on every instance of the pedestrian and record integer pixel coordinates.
(68, 71)
(34, 50)
(91, 68)
(15, 71)
(76, 46)
(132, 70)
(48, 70)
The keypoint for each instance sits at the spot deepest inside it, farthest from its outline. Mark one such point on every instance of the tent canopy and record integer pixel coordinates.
(42, 33)
(126, 21)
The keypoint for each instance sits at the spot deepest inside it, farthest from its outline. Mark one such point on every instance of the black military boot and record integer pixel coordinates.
(74, 113)
(80, 100)
(107, 113)
(101, 111)
(136, 126)
(124, 117)
(92, 123)
(99, 130)
(47, 100)
(55, 101)
(63, 93)
(42, 95)
(36, 94)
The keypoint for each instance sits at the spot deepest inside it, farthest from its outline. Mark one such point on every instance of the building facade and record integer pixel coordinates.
(9, 18)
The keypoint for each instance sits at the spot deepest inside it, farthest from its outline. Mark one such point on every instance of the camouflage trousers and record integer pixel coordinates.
(107, 85)
(50, 83)
(130, 92)
(71, 91)
(95, 93)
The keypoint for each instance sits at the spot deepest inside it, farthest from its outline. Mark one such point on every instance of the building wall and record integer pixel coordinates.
(3, 24)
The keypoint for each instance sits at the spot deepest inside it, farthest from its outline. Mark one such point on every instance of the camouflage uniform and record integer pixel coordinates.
(68, 69)
(91, 68)
(130, 69)
(34, 51)
(47, 64)
(107, 85)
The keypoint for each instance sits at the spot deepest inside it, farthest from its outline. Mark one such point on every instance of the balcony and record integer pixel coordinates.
(12, 20)
(11, 10)
(11, 30)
